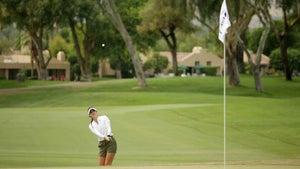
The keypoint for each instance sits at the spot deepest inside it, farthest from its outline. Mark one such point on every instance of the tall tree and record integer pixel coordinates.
(207, 13)
(260, 9)
(36, 17)
(110, 9)
(166, 16)
(112, 44)
(129, 10)
(83, 19)
(272, 48)
(291, 17)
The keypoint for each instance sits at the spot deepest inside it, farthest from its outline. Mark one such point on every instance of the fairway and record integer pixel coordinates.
(144, 133)
(174, 123)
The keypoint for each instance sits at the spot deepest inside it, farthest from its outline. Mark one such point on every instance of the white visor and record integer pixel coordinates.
(90, 109)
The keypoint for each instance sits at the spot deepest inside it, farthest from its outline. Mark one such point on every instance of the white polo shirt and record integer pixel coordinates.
(102, 128)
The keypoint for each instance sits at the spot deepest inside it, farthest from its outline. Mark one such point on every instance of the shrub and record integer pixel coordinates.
(156, 62)
(21, 77)
(293, 56)
(210, 71)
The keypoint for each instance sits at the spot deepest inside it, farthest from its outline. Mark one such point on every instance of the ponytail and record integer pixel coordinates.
(92, 122)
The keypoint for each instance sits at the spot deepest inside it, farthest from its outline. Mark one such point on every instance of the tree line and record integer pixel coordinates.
(92, 30)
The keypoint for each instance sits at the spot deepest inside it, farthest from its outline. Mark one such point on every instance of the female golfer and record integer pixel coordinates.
(100, 126)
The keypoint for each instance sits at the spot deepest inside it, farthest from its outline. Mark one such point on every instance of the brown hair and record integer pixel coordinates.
(91, 110)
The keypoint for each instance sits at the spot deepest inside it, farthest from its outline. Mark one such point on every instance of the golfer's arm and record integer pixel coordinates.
(96, 132)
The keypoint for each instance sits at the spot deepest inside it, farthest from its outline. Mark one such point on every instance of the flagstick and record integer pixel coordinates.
(224, 23)
(224, 87)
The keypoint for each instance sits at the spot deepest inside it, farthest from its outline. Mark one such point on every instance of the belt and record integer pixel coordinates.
(110, 136)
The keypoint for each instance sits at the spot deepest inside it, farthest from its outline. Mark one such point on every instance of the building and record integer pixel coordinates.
(264, 62)
(194, 61)
(191, 62)
(11, 65)
(104, 68)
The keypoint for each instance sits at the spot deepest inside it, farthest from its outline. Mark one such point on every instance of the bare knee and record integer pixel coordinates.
(109, 158)
(101, 161)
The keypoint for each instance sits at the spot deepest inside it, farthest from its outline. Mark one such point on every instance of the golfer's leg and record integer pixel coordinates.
(109, 158)
(101, 161)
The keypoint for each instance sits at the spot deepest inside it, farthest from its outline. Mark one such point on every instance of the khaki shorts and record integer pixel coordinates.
(107, 147)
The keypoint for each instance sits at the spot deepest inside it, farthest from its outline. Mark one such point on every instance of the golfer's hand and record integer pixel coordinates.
(106, 138)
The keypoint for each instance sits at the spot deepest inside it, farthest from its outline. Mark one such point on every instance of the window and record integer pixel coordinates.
(208, 63)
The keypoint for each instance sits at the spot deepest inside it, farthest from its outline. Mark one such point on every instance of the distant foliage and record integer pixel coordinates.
(294, 59)
(157, 62)
(59, 44)
(4, 46)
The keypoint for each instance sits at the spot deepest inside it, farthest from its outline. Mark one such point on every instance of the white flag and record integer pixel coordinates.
(224, 22)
